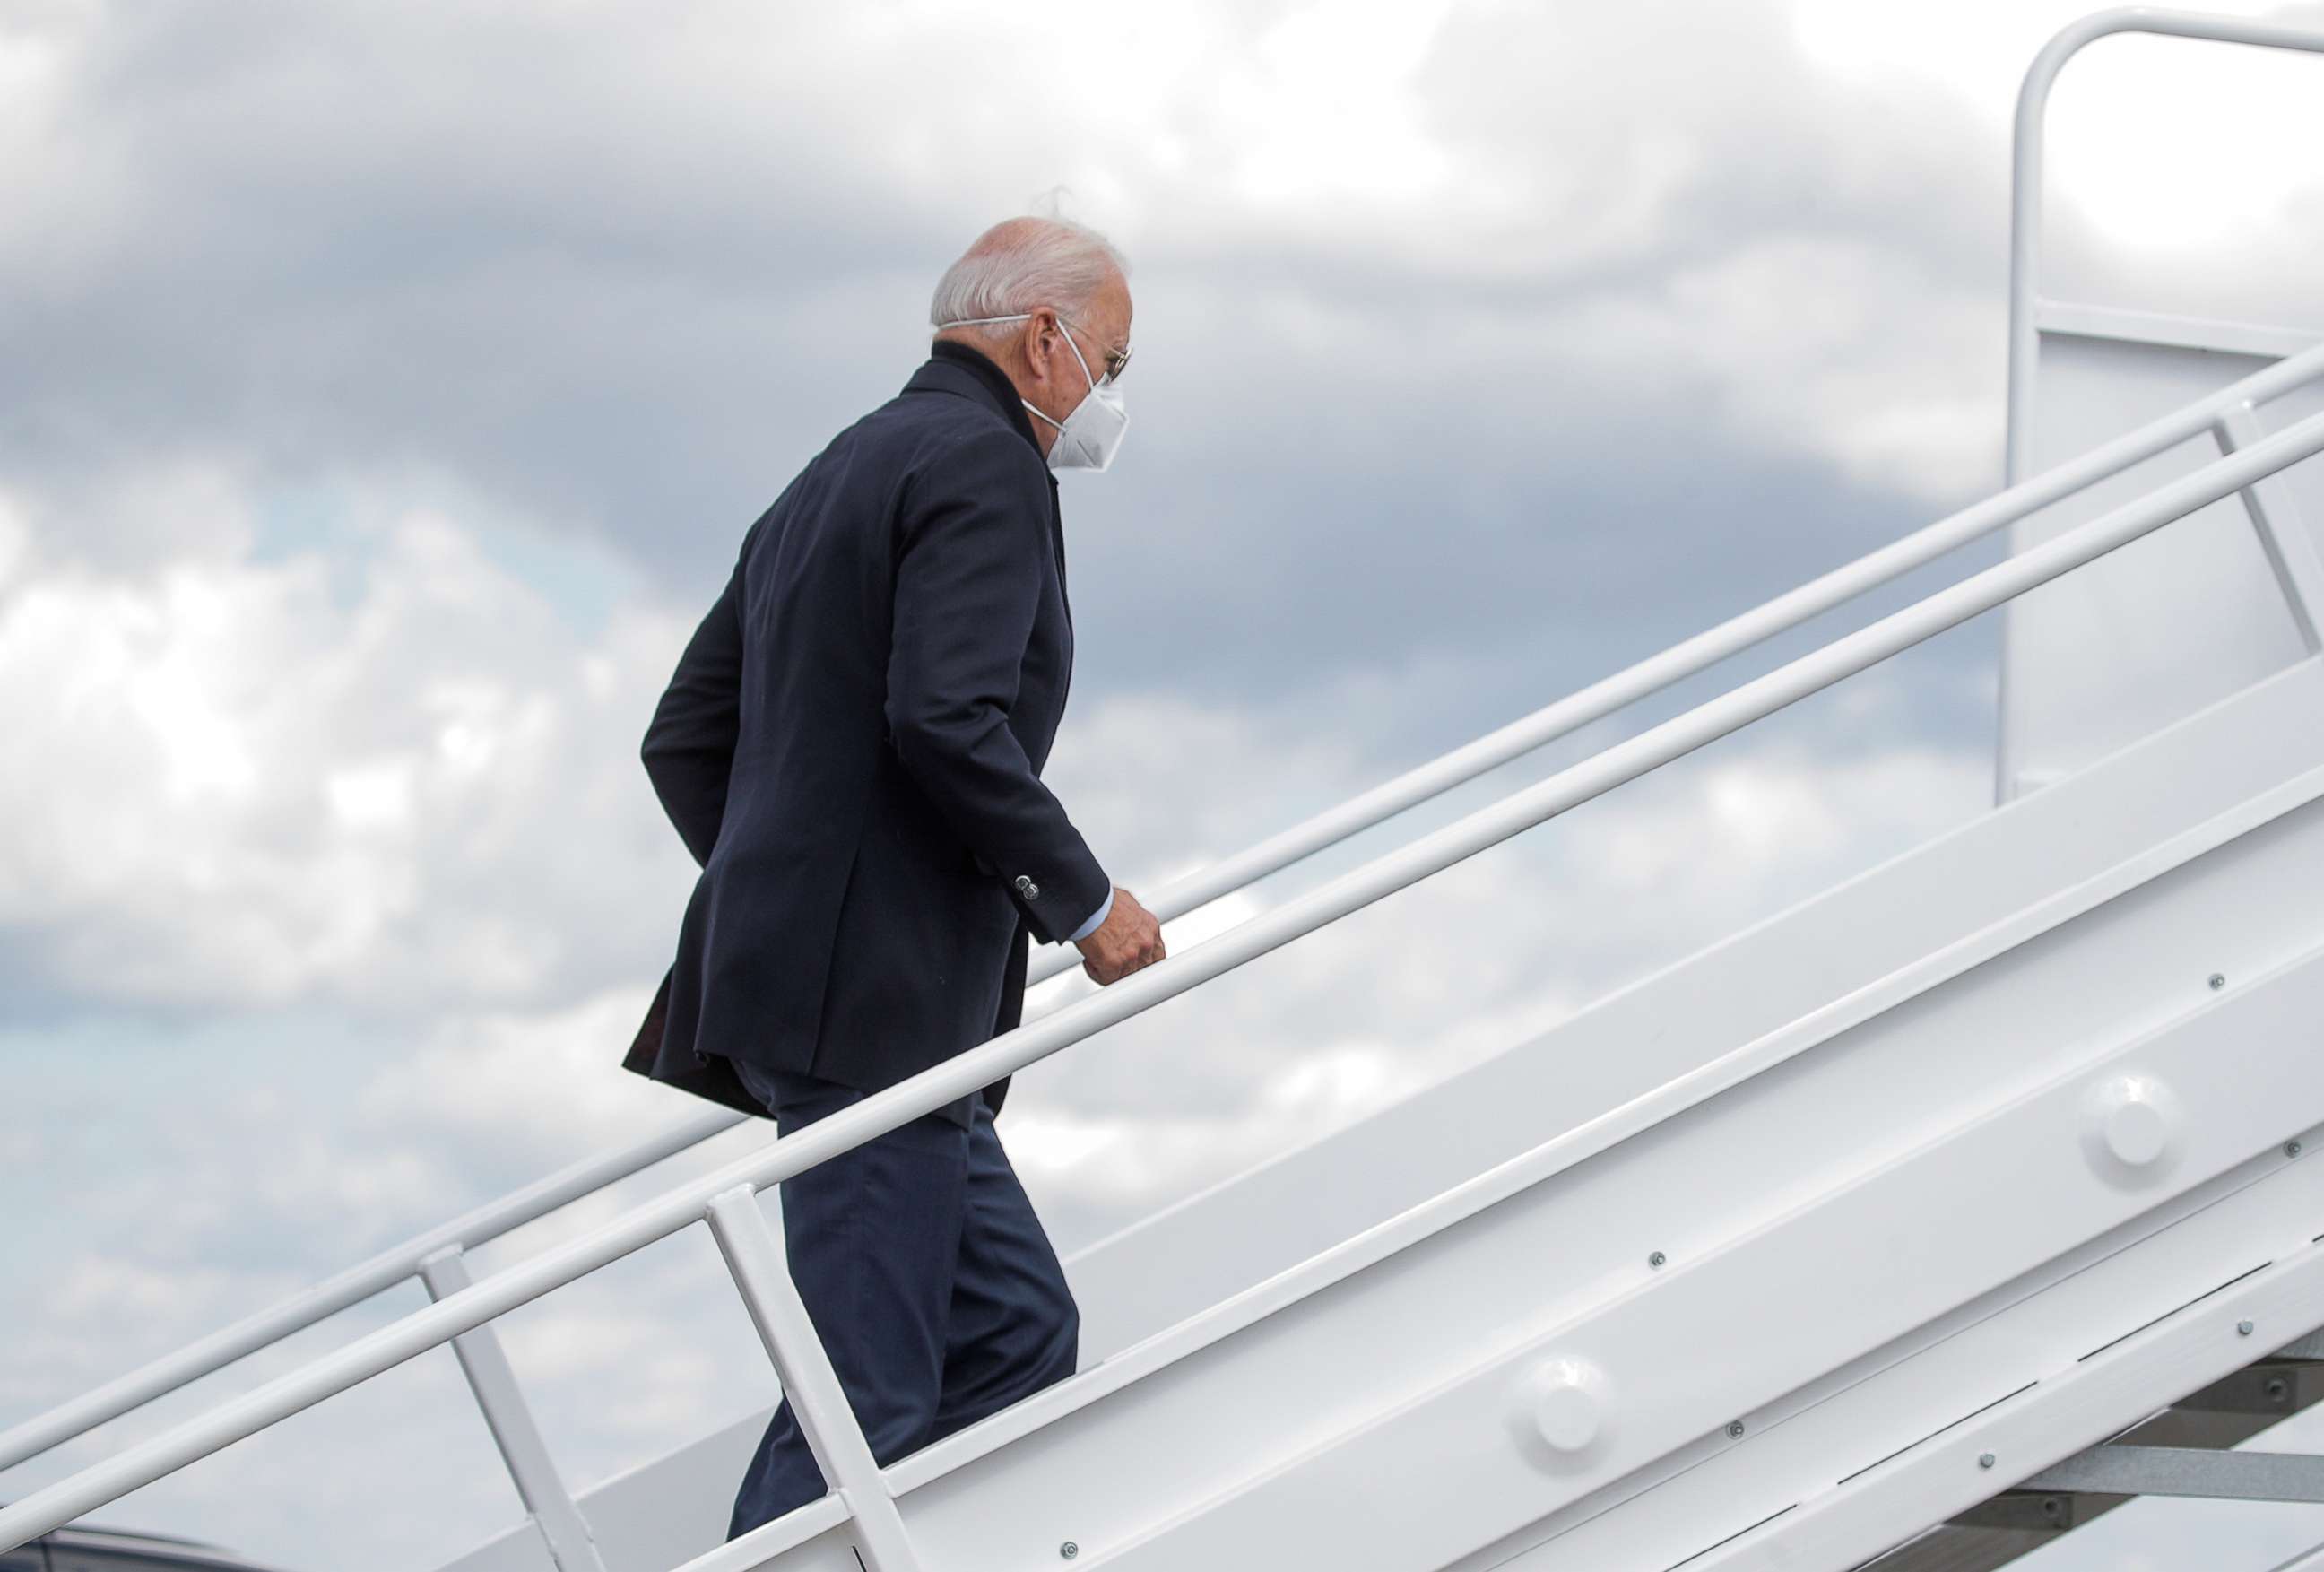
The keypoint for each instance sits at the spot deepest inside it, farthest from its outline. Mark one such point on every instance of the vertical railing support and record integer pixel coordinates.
(818, 1403)
(2027, 175)
(510, 1419)
(2291, 554)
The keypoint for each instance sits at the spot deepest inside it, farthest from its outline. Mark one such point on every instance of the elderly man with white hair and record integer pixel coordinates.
(851, 748)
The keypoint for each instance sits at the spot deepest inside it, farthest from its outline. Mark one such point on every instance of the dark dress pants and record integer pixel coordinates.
(930, 1280)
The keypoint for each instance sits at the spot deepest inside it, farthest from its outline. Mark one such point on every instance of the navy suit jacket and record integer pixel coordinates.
(851, 746)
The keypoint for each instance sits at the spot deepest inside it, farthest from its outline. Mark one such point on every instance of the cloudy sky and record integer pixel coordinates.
(387, 391)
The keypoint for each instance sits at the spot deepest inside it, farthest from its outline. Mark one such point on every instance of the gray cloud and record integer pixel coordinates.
(625, 301)
(1482, 437)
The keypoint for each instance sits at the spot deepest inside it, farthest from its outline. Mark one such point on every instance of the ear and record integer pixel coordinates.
(1041, 332)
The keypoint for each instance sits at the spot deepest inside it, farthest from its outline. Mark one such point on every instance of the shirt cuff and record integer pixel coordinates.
(1096, 922)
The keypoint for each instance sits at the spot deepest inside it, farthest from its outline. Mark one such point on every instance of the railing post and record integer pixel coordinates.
(818, 1403)
(2291, 556)
(510, 1419)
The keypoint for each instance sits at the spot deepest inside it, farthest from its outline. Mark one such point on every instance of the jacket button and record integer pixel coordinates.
(1025, 887)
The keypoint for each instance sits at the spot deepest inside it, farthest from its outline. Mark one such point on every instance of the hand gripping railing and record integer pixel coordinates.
(726, 1198)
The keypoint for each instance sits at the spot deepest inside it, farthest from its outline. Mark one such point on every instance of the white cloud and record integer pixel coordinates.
(2176, 171)
(1161, 784)
(248, 792)
(1837, 347)
(542, 1085)
(1463, 965)
(1319, 115)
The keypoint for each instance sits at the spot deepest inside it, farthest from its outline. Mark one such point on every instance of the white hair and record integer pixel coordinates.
(1020, 263)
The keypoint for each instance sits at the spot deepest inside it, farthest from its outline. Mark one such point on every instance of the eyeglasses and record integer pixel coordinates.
(1115, 359)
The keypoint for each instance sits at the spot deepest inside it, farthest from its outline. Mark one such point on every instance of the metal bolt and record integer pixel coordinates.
(2218, 981)
(2292, 1149)
(2278, 1390)
(1656, 1259)
(1985, 1459)
(2242, 1329)
(1735, 1430)
(1069, 1550)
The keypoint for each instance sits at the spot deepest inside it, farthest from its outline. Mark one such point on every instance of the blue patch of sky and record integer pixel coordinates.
(580, 579)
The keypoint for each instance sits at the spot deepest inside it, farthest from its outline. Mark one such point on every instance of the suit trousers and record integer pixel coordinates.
(932, 1283)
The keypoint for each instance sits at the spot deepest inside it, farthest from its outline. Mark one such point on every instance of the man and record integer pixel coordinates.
(851, 746)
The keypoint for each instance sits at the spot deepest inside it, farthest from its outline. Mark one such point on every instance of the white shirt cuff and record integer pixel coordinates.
(1096, 921)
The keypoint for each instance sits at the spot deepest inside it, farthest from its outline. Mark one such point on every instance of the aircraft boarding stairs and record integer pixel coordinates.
(1861, 1233)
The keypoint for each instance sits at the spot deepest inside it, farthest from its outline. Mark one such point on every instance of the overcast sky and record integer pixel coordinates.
(387, 391)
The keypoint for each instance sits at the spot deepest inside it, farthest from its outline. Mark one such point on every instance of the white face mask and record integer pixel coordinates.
(1091, 433)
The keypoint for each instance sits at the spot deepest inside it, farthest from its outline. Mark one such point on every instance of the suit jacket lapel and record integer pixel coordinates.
(1057, 544)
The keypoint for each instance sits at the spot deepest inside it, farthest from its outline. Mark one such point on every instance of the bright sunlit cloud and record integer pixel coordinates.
(2162, 145)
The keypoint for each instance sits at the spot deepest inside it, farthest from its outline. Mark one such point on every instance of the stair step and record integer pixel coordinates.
(2185, 1449)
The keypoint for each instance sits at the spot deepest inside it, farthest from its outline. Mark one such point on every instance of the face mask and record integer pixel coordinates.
(1091, 433)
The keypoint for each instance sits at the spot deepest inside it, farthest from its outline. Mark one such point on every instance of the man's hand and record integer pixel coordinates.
(1129, 937)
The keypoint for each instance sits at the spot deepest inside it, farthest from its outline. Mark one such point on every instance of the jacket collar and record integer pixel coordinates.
(967, 373)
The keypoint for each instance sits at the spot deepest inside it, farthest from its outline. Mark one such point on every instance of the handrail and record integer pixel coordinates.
(1013, 1051)
(2026, 176)
(2027, 188)
(1419, 784)
(386, 1270)
(1706, 649)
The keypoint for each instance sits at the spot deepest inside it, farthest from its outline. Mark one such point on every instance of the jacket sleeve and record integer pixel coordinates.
(1095, 919)
(974, 531)
(689, 745)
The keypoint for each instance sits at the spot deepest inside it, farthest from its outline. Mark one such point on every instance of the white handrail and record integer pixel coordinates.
(386, 1270)
(2027, 173)
(1013, 1051)
(2026, 185)
(1706, 649)
(1357, 814)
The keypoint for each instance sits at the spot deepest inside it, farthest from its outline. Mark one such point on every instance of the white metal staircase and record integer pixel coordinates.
(1855, 1235)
